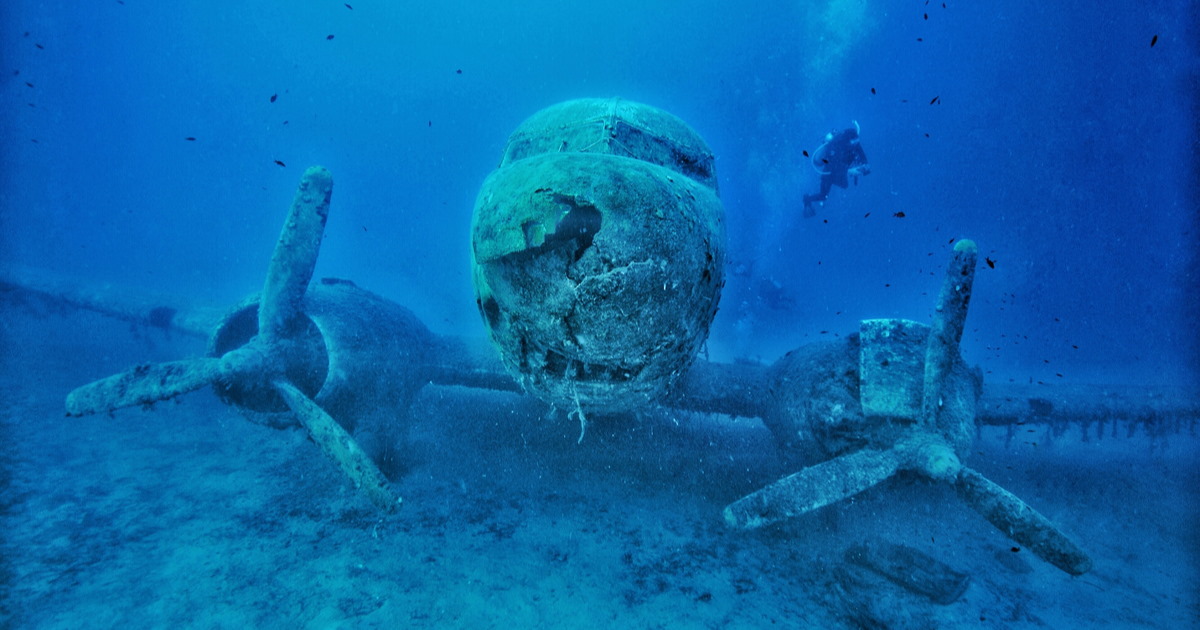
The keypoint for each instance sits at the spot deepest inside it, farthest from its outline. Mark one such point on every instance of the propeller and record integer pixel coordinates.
(143, 385)
(925, 447)
(845, 476)
(278, 348)
(812, 488)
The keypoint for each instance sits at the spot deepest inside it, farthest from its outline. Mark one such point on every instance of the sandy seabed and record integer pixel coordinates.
(189, 515)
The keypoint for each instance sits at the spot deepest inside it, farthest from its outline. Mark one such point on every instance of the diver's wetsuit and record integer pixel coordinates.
(840, 154)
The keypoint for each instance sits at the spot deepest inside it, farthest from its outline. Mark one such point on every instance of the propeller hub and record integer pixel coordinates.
(936, 459)
(249, 364)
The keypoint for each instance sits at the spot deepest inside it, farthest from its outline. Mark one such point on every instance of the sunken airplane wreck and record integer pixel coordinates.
(599, 254)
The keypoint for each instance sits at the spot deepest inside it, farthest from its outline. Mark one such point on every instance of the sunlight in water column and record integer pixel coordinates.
(834, 28)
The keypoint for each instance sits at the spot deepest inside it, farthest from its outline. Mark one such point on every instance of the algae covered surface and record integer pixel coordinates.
(148, 152)
(187, 514)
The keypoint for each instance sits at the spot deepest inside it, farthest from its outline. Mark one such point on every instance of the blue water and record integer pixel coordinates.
(155, 145)
(1062, 142)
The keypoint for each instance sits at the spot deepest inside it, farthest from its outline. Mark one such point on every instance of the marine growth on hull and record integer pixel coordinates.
(599, 253)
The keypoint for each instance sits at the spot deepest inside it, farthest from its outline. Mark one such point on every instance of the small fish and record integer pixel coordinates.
(824, 161)
(329, 37)
(990, 263)
(273, 97)
(935, 99)
(351, 8)
(28, 84)
(430, 124)
(1014, 549)
(898, 215)
(33, 140)
(1153, 41)
(285, 122)
(926, 16)
(280, 162)
(190, 138)
(363, 227)
(805, 153)
(872, 90)
(40, 47)
(459, 71)
(866, 215)
(926, 135)
(920, 39)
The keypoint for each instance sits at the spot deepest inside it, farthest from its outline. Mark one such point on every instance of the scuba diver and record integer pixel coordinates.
(841, 156)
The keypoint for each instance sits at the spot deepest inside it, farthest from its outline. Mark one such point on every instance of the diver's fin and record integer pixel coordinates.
(808, 207)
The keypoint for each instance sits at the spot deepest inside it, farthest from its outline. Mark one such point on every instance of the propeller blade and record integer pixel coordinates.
(339, 446)
(143, 385)
(812, 488)
(948, 321)
(1020, 522)
(295, 255)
